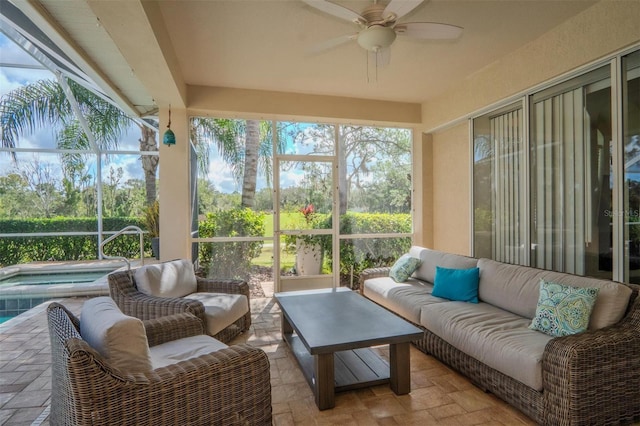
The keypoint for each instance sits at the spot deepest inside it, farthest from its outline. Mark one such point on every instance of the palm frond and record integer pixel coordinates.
(27, 108)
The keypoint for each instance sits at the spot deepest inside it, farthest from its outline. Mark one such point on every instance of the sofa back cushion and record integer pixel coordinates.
(119, 338)
(432, 258)
(169, 279)
(517, 289)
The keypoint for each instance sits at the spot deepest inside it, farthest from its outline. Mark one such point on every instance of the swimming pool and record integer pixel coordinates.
(24, 287)
(53, 278)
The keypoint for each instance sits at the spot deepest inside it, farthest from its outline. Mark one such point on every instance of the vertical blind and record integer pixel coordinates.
(562, 184)
(508, 198)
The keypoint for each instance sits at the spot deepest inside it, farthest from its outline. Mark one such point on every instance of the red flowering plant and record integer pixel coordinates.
(308, 212)
(310, 216)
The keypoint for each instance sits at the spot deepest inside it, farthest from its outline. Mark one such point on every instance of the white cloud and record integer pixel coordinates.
(12, 78)
(220, 175)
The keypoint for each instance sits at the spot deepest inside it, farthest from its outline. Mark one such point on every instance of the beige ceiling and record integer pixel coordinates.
(150, 50)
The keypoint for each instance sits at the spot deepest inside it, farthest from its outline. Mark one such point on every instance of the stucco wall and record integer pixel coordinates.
(450, 193)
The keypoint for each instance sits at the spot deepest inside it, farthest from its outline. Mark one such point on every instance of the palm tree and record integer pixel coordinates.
(245, 159)
(44, 103)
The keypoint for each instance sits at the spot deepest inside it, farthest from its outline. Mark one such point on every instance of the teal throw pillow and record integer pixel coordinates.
(456, 284)
(404, 267)
(563, 310)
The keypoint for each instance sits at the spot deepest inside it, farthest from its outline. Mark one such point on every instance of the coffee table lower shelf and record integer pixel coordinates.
(353, 369)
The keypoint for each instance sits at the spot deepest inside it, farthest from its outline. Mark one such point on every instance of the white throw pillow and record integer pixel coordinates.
(169, 279)
(119, 338)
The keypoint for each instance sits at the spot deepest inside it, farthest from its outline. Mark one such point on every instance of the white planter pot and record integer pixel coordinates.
(308, 258)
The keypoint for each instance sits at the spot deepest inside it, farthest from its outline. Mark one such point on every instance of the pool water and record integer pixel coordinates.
(55, 278)
(24, 291)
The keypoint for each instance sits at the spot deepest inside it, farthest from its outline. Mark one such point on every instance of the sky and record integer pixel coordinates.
(218, 172)
(12, 78)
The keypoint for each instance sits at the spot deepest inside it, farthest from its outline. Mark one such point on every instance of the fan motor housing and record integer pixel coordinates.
(376, 37)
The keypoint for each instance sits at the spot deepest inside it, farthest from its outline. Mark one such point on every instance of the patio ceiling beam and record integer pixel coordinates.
(138, 30)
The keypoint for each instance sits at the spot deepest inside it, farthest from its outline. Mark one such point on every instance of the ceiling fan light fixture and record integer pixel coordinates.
(376, 37)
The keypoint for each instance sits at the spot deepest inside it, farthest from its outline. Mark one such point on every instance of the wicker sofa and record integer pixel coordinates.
(591, 378)
(223, 305)
(191, 379)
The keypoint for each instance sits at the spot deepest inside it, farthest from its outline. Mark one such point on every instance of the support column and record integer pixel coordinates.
(175, 205)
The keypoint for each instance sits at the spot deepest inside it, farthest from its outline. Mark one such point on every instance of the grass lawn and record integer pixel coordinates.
(266, 256)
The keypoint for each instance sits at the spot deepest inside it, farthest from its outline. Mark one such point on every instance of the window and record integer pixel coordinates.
(324, 195)
(566, 195)
(571, 176)
(61, 191)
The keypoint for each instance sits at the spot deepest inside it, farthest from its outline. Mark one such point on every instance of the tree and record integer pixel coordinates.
(358, 149)
(14, 193)
(44, 103)
(244, 145)
(41, 183)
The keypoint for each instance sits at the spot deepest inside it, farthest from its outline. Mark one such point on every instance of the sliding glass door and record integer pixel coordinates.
(631, 137)
(499, 184)
(571, 177)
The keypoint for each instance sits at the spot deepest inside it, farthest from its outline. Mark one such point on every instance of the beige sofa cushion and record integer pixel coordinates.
(119, 338)
(169, 279)
(517, 288)
(182, 349)
(221, 310)
(432, 258)
(497, 338)
(405, 299)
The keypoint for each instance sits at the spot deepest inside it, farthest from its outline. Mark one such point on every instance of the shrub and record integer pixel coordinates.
(230, 259)
(15, 250)
(361, 253)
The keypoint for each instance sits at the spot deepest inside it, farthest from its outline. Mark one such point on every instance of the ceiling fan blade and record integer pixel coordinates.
(331, 43)
(380, 58)
(400, 7)
(429, 30)
(335, 10)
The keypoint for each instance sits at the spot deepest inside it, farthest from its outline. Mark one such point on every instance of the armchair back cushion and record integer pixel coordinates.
(119, 338)
(169, 279)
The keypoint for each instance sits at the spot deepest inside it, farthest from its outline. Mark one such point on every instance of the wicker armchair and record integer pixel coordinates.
(123, 290)
(227, 387)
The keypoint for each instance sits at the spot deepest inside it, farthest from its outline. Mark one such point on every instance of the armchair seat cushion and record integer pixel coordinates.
(221, 309)
(175, 351)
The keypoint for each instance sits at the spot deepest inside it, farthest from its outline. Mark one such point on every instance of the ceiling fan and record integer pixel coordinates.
(379, 26)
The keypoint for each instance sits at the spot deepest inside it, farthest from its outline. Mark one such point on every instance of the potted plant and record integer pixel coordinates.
(309, 253)
(152, 223)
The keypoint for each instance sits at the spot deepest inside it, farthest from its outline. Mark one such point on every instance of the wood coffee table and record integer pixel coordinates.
(330, 333)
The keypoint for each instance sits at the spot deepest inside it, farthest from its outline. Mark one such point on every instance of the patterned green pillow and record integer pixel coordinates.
(404, 267)
(563, 310)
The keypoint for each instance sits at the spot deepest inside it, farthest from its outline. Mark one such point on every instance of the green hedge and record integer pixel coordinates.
(362, 253)
(230, 259)
(16, 250)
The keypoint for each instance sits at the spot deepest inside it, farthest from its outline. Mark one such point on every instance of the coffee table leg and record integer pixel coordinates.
(285, 326)
(324, 381)
(400, 368)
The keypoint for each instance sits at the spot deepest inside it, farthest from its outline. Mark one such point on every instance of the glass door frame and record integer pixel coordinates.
(279, 233)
